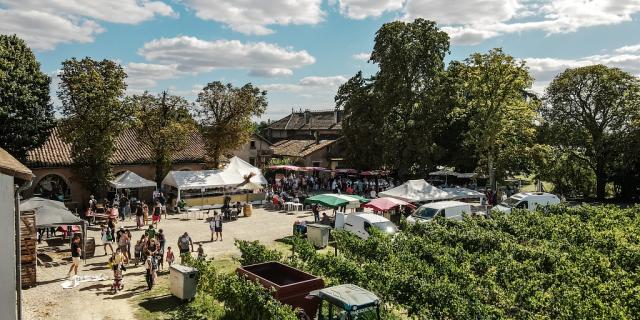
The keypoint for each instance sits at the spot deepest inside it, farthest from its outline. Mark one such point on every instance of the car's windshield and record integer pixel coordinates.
(386, 227)
(510, 202)
(426, 213)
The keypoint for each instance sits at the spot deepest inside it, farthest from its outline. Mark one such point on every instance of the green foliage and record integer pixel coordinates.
(394, 118)
(224, 113)
(569, 175)
(26, 115)
(231, 297)
(492, 98)
(254, 252)
(555, 263)
(590, 112)
(164, 124)
(92, 103)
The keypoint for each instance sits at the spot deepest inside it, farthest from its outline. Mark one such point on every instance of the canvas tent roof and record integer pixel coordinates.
(463, 193)
(130, 180)
(50, 212)
(416, 191)
(233, 175)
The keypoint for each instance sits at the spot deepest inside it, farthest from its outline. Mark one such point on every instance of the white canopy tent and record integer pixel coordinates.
(234, 175)
(130, 180)
(416, 191)
(464, 193)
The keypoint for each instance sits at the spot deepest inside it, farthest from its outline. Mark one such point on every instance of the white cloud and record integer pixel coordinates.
(545, 69)
(45, 24)
(449, 12)
(360, 9)
(146, 75)
(309, 85)
(191, 54)
(271, 73)
(471, 22)
(43, 31)
(121, 11)
(629, 49)
(253, 16)
(363, 56)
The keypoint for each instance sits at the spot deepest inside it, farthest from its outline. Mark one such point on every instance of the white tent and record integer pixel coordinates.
(130, 180)
(234, 175)
(416, 191)
(464, 193)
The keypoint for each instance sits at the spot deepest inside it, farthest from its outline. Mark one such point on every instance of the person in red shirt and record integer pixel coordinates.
(349, 190)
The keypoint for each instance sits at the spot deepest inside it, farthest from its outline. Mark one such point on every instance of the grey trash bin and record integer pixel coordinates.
(182, 281)
(318, 234)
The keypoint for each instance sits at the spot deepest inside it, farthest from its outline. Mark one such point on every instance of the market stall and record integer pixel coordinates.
(416, 191)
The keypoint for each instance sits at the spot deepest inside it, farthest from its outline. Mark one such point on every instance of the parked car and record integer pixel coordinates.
(527, 200)
(446, 209)
(360, 224)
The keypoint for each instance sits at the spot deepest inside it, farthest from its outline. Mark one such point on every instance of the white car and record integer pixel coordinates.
(446, 209)
(360, 224)
(527, 200)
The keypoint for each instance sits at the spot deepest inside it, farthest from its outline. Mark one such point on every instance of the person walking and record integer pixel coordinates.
(156, 214)
(145, 213)
(200, 252)
(122, 239)
(212, 225)
(139, 216)
(123, 203)
(183, 245)
(75, 256)
(105, 237)
(316, 212)
(217, 219)
(161, 239)
(170, 257)
(148, 264)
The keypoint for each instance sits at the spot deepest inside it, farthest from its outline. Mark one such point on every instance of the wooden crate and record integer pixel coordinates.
(28, 255)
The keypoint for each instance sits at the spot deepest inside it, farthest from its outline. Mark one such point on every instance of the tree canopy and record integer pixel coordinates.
(493, 101)
(26, 114)
(224, 114)
(164, 124)
(399, 105)
(591, 112)
(94, 114)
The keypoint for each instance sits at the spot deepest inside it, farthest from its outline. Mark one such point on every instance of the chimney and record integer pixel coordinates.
(307, 116)
(317, 136)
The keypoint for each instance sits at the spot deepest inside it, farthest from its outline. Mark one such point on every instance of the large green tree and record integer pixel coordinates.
(224, 115)
(26, 114)
(500, 114)
(94, 114)
(591, 111)
(400, 104)
(163, 123)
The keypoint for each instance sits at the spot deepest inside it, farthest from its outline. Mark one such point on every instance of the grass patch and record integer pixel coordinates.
(158, 303)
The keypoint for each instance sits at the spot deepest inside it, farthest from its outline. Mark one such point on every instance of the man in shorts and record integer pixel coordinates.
(184, 242)
(75, 255)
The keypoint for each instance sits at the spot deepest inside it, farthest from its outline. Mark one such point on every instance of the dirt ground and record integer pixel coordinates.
(92, 300)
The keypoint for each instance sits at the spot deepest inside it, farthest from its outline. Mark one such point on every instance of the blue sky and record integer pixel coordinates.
(300, 51)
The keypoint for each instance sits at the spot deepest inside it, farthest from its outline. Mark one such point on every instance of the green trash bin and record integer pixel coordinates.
(318, 234)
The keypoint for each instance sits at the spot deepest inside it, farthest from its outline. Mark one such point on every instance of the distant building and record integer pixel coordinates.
(52, 163)
(307, 124)
(12, 174)
(309, 153)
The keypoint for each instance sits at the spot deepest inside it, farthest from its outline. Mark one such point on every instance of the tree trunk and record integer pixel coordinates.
(492, 171)
(601, 180)
(159, 172)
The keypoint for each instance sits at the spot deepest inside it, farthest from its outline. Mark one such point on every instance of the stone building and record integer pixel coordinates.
(51, 164)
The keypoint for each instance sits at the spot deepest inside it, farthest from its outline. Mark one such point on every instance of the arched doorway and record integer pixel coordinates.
(52, 186)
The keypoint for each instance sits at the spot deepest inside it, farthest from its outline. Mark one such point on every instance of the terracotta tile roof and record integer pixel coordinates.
(298, 148)
(318, 120)
(129, 150)
(10, 166)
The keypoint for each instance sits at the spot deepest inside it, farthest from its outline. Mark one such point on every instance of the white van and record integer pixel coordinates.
(446, 209)
(527, 200)
(360, 224)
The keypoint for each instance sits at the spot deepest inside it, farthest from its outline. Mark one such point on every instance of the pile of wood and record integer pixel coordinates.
(28, 255)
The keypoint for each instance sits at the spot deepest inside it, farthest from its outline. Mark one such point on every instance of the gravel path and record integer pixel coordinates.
(93, 300)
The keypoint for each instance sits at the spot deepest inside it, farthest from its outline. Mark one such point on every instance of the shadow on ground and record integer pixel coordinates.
(163, 303)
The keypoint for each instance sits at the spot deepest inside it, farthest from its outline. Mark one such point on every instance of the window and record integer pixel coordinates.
(315, 164)
(367, 226)
(252, 161)
(523, 205)
(252, 144)
(53, 187)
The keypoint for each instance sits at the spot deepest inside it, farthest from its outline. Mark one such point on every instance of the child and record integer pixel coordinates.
(170, 256)
(200, 252)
